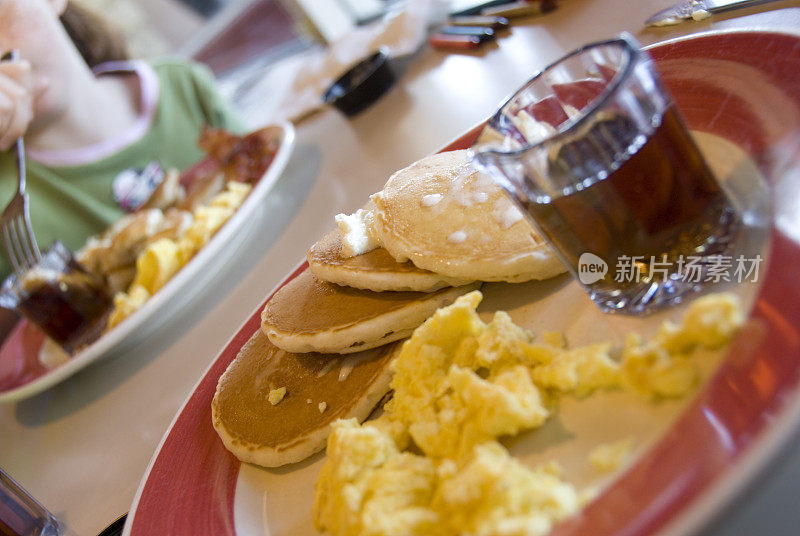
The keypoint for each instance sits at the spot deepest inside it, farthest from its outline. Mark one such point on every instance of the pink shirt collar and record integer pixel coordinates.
(93, 153)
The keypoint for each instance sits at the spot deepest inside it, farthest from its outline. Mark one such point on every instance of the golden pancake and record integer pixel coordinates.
(375, 270)
(448, 218)
(258, 430)
(309, 315)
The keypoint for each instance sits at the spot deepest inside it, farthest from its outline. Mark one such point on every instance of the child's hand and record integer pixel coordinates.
(16, 101)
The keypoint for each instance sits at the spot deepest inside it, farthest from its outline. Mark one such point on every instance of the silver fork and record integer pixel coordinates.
(15, 222)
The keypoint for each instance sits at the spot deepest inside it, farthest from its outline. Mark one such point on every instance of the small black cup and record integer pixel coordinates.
(361, 85)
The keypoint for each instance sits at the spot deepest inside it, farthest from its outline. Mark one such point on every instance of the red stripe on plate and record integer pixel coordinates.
(756, 379)
(194, 458)
(19, 357)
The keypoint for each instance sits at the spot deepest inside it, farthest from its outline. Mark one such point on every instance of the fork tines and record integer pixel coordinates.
(15, 223)
(17, 235)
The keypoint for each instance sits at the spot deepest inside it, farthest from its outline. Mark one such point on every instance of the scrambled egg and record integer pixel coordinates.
(163, 258)
(609, 457)
(156, 265)
(433, 463)
(126, 304)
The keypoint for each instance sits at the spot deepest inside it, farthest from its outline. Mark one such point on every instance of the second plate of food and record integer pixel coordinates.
(22, 374)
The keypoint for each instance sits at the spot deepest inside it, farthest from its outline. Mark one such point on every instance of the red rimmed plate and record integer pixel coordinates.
(21, 373)
(742, 90)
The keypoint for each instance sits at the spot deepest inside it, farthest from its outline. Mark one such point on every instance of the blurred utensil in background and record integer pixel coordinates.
(697, 10)
(502, 8)
(15, 222)
(484, 33)
(495, 23)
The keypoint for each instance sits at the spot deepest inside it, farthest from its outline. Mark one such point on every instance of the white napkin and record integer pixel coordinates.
(292, 88)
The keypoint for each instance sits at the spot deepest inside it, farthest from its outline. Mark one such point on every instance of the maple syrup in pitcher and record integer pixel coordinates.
(656, 200)
(593, 148)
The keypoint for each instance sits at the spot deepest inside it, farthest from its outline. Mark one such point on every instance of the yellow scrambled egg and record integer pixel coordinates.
(163, 258)
(609, 457)
(433, 463)
(126, 303)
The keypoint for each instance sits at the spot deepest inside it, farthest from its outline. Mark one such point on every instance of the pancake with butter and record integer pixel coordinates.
(314, 390)
(446, 217)
(374, 270)
(309, 315)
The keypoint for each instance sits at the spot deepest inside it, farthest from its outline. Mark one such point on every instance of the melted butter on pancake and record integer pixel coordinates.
(474, 231)
(328, 251)
(356, 233)
(375, 270)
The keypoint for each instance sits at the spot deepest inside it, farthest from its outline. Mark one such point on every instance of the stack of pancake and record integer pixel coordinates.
(436, 231)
